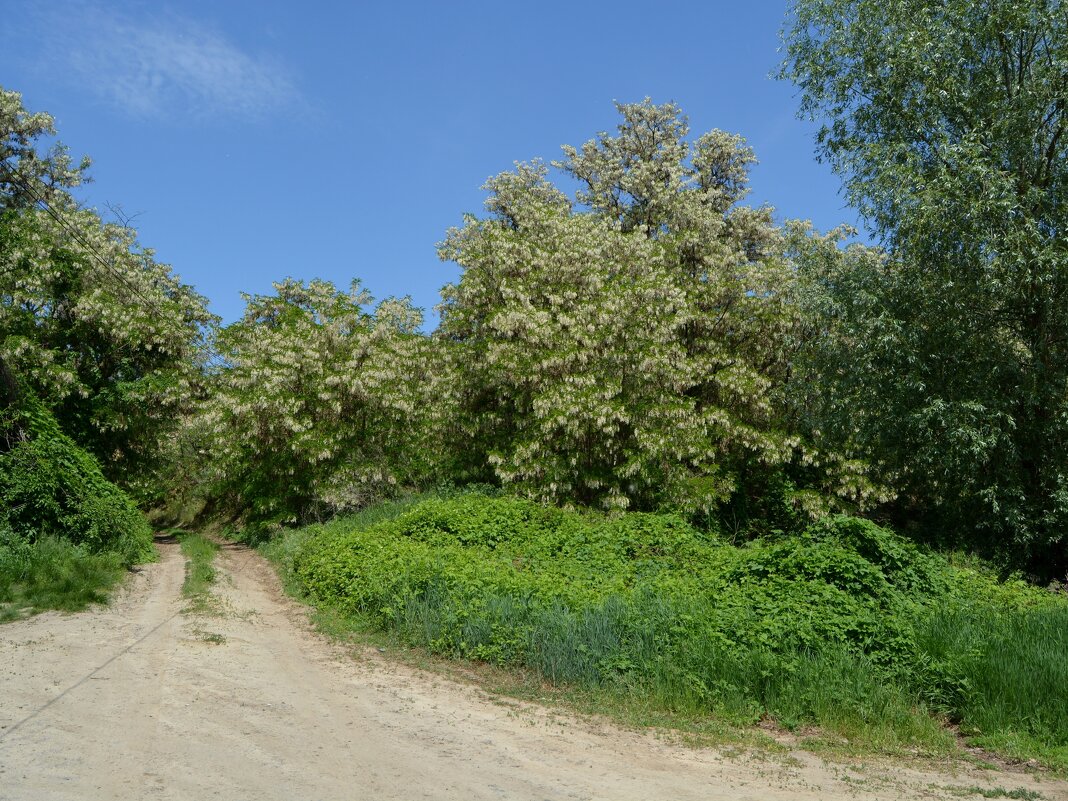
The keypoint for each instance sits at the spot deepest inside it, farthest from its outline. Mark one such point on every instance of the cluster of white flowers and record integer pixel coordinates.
(610, 350)
(322, 405)
(89, 321)
(626, 349)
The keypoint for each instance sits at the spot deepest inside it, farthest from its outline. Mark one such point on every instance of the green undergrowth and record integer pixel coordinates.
(510, 684)
(66, 532)
(844, 627)
(200, 574)
(51, 487)
(52, 573)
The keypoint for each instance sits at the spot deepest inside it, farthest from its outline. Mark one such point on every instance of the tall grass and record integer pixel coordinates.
(619, 648)
(53, 574)
(1003, 675)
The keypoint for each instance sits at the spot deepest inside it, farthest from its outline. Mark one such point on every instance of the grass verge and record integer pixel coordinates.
(512, 686)
(845, 634)
(53, 574)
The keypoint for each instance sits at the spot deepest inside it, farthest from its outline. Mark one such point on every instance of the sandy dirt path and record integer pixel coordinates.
(141, 701)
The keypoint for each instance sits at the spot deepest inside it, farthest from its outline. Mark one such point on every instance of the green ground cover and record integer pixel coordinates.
(52, 573)
(66, 532)
(199, 552)
(844, 626)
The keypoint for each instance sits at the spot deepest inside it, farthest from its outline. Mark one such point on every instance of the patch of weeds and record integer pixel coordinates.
(509, 685)
(200, 573)
(52, 573)
(845, 640)
(845, 629)
(1021, 793)
(211, 637)
(1001, 672)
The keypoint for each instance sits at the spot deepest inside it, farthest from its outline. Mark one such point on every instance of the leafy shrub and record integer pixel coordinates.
(51, 488)
(835, 626)
(790, 595)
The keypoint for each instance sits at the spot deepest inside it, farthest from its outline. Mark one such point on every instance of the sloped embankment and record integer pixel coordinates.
(846, 626)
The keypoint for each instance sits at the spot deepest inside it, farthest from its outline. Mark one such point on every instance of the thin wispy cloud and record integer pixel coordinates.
(165, 65)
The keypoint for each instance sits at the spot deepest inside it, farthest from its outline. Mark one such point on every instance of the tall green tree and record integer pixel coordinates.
(109, 339)
(947, 361)
(321, 405)
(626, 347)
(26, 174)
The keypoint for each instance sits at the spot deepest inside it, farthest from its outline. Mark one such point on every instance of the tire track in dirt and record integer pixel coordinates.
(139, 701)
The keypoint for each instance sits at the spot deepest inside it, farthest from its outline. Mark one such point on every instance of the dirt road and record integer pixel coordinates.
(140, 701)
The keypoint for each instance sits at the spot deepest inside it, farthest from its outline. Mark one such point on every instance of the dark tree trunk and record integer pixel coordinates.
(10, 393)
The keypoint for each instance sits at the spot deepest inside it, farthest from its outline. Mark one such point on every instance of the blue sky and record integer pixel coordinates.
(256, 140)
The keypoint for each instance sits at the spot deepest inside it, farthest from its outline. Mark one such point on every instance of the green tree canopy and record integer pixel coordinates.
(107, 337)
(948, 364)
(627, 347)
(320, 405)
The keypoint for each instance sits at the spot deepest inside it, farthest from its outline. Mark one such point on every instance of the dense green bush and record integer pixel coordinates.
(51, 488)
(66, 532)
(793, 593)
(836, 626)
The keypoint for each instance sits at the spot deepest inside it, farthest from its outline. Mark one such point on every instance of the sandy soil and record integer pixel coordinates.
(142, 701)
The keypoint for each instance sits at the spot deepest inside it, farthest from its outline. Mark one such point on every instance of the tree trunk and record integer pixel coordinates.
(10, 392)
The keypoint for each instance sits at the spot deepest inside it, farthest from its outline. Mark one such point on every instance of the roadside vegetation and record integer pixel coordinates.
(843, 626)
(729, 465)
(200, 575)
(66, 532)
(52, 573)
(100, 350)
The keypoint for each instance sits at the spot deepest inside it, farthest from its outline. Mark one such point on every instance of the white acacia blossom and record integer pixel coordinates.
(624, 348)
(107, 337)
(321, 406)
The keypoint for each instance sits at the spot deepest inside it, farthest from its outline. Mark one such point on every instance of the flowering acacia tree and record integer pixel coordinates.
(624, 348)
(321, 406)
(106, 337)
